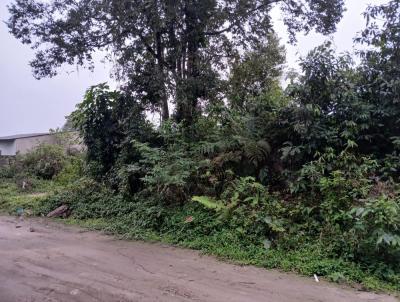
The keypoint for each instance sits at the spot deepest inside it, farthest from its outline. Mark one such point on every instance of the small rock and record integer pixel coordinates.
(31, 229)
(18, 226)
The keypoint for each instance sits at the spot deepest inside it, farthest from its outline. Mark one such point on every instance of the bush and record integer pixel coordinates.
(355, 214)
(73, 169)
(247, 207)
(376, 230)
(45, 161)
(7, 172)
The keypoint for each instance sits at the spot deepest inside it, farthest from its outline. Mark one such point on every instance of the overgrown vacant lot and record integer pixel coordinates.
(302, 177)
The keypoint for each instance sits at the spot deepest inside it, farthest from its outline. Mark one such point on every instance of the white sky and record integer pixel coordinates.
(28, 105)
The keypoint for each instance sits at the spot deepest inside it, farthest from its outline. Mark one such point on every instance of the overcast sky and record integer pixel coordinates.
(28, 105)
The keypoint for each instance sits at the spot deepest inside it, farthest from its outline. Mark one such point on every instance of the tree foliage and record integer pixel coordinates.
(312, 167)
(106, 125)
(164, 50)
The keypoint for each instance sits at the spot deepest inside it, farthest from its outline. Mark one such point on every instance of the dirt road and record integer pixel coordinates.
(59, 263)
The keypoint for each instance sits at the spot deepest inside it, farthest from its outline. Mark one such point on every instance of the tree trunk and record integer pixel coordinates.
(187, 94)
(161, 67)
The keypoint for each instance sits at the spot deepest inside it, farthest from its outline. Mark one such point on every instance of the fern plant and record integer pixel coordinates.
(247, 207)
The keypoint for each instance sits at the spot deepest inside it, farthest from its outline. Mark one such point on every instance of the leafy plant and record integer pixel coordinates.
(45, 161)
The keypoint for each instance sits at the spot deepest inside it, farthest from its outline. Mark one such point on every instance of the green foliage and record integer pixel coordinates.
(200, 225)
(170, 176)
(247, 208)
(9, 170)
(377, 229)
(304, 178)
(174, 55)
(209, 203)
(256, 73)
(107, 120)
(98, 125)
(14, 199)
(72, 170)
(46, 161)
(355, 215)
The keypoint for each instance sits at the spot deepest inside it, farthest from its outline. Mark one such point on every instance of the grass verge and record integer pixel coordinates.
(13, 199)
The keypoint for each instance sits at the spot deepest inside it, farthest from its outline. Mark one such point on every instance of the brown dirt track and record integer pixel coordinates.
(60, 263)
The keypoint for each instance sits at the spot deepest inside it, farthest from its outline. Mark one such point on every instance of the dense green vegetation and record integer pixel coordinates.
(303, 179)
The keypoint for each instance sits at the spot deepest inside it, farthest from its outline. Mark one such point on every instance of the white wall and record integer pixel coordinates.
(7, 147)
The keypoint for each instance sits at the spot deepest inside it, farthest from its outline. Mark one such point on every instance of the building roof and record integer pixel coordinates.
(14, 137)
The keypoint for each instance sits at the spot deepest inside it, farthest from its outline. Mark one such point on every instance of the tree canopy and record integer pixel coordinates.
(164, 51)
(303, 177)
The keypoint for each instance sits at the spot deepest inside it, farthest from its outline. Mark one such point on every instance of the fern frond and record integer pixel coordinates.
(209, 203)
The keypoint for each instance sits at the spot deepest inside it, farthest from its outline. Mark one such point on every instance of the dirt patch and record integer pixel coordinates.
(59, 263)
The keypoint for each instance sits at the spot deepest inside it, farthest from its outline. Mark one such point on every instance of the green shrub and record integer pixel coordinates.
(7, 172)
(247, 207)
(376, 231)
(355, 215)
(72, 170)
(169, 172)
(45, 161)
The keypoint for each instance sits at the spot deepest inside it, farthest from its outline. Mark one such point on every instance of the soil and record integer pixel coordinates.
(42, 261)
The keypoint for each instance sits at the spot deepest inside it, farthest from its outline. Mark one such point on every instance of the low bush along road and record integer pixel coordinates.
(44, 261)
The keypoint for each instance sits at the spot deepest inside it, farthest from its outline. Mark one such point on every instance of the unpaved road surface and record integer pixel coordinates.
(59, 263)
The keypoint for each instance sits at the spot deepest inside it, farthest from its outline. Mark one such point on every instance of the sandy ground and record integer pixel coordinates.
(60, 263)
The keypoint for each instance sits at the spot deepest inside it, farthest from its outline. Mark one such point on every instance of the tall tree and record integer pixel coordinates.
(164, 50)
(380, 70)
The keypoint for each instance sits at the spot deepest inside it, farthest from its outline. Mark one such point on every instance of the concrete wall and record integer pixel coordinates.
(70, 140)
(24, 145)
(7, 148)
